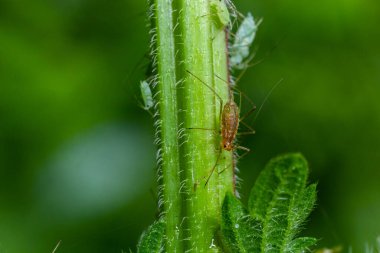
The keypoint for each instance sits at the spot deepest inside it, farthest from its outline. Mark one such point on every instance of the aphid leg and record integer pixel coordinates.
(251, 130)
(247, 150)
(226, 167)
(247, 114)
(213, 168)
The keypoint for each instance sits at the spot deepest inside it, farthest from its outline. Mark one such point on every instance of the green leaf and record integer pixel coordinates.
(152, 240)
(281, 201)
(301, 244)
(240, 232)
(304, 205)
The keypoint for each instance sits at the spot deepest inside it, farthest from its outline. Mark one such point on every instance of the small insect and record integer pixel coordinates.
(146, 95)
(220, 13)
(244, 38)
(229, 124)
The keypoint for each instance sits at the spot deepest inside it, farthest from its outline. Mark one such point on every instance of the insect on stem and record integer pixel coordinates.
(229, 123)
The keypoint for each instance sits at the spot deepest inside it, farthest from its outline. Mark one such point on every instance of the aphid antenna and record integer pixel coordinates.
(232, 87)
(245, 96)
(267, 97)
(208, 86)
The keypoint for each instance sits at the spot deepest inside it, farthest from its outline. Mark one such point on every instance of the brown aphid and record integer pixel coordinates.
(229, 125)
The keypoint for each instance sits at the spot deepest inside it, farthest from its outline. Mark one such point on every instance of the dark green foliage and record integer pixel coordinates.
(240, 231)
(152, 240)
(279, 203)
(301, 244)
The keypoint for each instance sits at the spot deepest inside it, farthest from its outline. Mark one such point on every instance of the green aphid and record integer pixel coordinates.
(244, 38)
(220, 13)
(146, 95)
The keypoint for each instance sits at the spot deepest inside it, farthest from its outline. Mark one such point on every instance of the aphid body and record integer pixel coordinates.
(244, 38)
(146, 95)
(229, 125)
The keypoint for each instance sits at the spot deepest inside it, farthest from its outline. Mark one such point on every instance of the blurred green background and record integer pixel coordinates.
(77, 161)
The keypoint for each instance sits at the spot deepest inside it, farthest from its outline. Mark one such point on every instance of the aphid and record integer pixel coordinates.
(229, 124)
(220, 13)
(146, 95)
(244, 38)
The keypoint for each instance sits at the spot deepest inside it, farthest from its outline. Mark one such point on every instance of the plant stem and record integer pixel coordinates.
(221, 80)
(204, 55)
(199, 44)
(168, 123)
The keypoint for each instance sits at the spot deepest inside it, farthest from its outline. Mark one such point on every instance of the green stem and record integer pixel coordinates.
(204, 55)
(199, 43)
(168, 123)
(221, 80)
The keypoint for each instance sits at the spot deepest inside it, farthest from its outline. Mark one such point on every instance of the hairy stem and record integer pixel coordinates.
(221, 77)
(202, 204)
(168, 123)
(192, 72)
(204, 56)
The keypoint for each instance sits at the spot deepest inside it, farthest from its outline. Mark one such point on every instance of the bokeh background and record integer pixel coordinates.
(77, 161)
